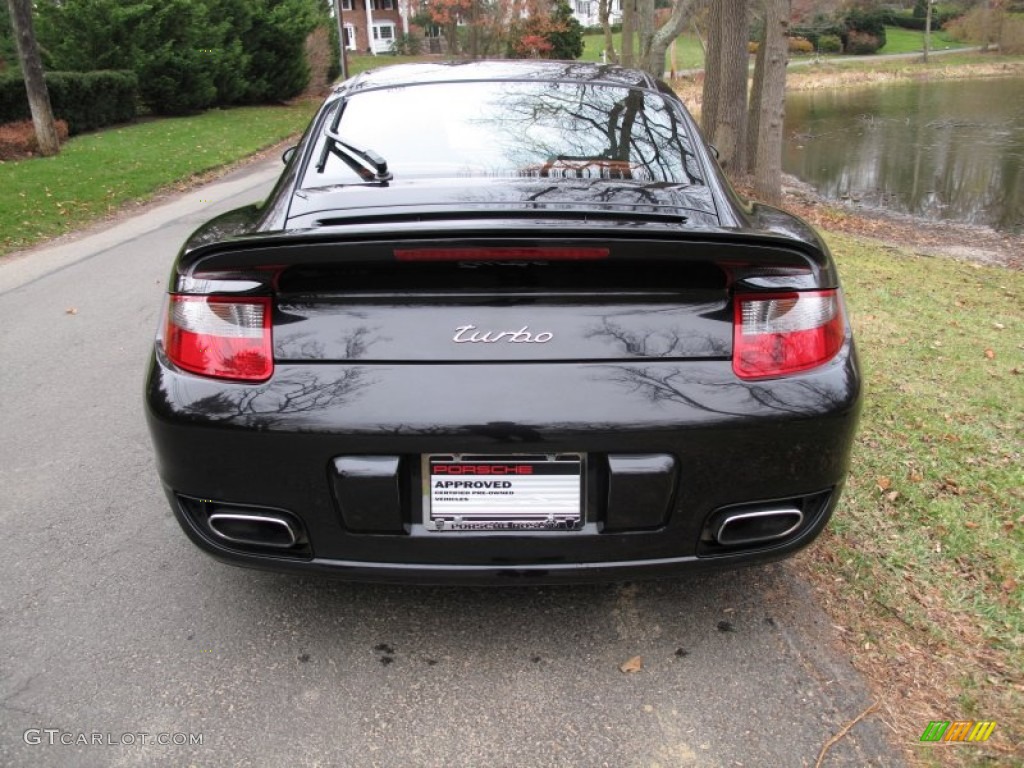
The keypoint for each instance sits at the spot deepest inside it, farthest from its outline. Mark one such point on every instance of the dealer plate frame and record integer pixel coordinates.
(524, 521)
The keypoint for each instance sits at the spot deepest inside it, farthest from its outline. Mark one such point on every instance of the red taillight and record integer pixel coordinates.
(779, 334)
(501, 254)
(223, 336)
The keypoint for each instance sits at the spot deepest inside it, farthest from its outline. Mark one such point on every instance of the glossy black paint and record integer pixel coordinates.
(368, 380)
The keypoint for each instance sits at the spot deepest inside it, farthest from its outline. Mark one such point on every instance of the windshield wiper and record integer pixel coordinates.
(368, 164)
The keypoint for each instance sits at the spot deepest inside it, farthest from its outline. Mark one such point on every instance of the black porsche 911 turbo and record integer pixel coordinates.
(503, 322)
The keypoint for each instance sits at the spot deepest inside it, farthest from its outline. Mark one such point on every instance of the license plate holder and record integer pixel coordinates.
(503, 493)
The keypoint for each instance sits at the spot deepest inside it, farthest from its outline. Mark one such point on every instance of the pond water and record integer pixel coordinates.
(944, 150)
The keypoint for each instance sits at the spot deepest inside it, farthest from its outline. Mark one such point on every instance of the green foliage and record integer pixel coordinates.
(407, 45)
(566, 36)
(861, 43)
(869, 22)
(8, 52)
(278, 69)
(904, 20)
(86, 100)
(864, 32)
(830, 44)
(334, 71)
(188, 54)
(818, 28)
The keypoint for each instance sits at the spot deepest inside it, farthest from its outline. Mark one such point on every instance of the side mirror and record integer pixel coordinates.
(288, 154)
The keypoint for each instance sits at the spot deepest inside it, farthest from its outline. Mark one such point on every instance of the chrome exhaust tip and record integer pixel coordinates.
(758, 526)
(263, 530)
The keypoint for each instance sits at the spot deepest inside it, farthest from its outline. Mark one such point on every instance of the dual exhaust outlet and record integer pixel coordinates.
(757, 526)
(265, 529)
(736, 529)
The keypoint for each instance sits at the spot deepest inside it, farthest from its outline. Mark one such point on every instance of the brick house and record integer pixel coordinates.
(376, 23)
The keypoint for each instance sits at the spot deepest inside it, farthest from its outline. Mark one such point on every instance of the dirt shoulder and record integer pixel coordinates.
(964, 242)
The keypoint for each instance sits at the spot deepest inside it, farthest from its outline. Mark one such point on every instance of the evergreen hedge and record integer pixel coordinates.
(86, 100)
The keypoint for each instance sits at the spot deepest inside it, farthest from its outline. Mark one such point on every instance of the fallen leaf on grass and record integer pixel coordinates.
(990, 354)
(884, 483)
(634, 664)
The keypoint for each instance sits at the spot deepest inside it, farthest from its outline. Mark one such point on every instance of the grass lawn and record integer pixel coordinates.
(899, 40)
(924, 559)
(360, 62)
(97, 172)
(689, 54)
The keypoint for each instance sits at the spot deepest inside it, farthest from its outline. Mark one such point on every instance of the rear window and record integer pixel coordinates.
(517, 130)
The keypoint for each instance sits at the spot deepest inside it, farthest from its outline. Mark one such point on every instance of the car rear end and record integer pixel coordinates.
(442, 404)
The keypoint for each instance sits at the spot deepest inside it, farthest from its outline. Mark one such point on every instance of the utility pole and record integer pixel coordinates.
(35, 84)
(343, 57)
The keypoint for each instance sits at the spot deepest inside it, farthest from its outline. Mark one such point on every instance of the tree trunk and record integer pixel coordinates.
(712, 89)
(644, 22)
(724, 111)
(603, 13)
(768, 159)
(474, 31)
(35, 85)
(654, 57)
(628, 21)
(756, 91)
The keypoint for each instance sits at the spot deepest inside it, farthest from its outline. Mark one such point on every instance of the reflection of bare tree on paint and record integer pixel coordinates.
(294, 392)
(668, 342)
(694, 389)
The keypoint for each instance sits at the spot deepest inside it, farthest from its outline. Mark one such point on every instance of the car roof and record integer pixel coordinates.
(508, 70)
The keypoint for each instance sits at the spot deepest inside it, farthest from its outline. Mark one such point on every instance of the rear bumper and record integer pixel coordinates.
(733, 443)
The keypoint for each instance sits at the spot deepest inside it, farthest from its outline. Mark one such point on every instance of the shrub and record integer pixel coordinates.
(861, 43)
(566, 35)
(819, 27)
(18, 140)
(86, 100)
(187, 54)
(940, 16)
(800, 45)
(830, 44)
(407, 45)
(864, 32)
(278, 69)
(558, 36)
